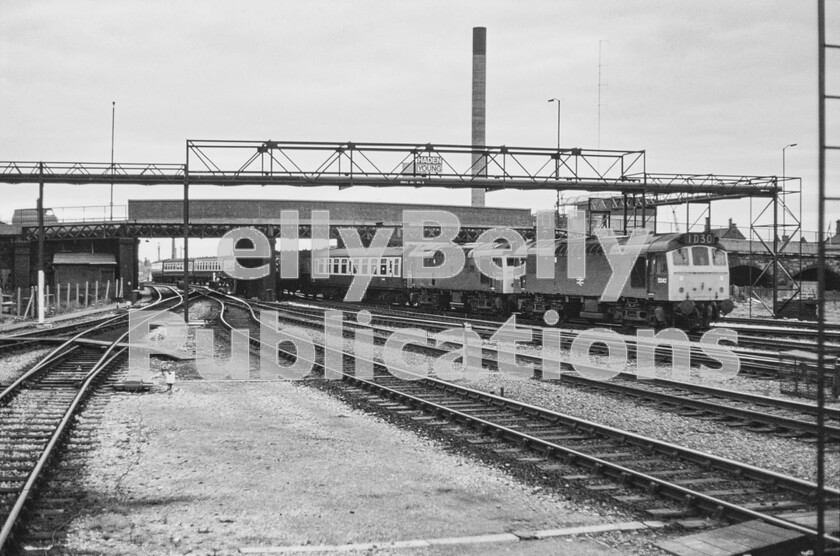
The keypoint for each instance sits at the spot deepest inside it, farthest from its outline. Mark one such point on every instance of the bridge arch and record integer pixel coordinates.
(746, 275)
(809, 274)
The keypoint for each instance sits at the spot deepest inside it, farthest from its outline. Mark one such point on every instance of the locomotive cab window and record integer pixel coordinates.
(718, 257)
(680, 257)
(700, 256)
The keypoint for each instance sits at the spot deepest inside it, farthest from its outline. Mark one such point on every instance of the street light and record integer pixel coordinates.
(786, 147)
(113, 110)
(557, 160)
(557, 100)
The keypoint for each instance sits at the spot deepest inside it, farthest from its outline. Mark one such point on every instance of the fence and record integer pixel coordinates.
(99, 213)
(798, 375)
(61, 298)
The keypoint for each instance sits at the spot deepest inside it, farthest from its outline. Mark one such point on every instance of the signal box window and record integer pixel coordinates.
(718, 257)
(681, 257)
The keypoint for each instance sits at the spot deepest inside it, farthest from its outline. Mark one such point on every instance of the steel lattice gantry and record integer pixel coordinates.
(466, 234)
(231, 163)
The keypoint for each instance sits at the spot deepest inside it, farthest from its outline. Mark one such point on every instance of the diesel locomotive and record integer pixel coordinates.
(679, 280)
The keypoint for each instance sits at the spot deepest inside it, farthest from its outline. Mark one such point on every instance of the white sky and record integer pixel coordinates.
(703, 86)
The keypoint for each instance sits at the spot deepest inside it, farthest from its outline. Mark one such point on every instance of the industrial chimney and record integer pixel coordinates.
(479, 99)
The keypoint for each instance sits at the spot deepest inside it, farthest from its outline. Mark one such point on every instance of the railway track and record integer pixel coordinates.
(38, 412)
(759, 344)
(24, 340)
(756, 413)
(760, 414)
(662, 479)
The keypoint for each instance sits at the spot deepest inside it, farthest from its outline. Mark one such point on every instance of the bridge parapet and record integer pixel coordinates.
(792, 249)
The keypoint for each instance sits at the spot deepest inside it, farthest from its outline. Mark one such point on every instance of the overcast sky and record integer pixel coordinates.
(703, 86)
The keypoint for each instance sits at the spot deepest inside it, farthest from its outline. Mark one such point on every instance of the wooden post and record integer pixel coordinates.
(77, 295)
(18, 305)
(96, 292)
(46, 299)
(31, 298)
(87, 293)
(68, 296)
(107, 291)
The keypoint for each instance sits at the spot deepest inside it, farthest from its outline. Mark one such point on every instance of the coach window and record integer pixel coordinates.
(718, 257)
(398, 267)
(344, 266)
(681, 257)
(355, 268)
(700, 256)
(363, 269)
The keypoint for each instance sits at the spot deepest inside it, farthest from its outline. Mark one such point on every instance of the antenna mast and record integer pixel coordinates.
(600, 85)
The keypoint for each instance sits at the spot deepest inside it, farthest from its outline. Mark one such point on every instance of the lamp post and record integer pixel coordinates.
(557, 160)
(786, 147)
(113, 110)
(557, 100)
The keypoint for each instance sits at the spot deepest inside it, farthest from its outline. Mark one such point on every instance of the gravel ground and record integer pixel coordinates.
(13, 365)
(220, 465)
(762, 450)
